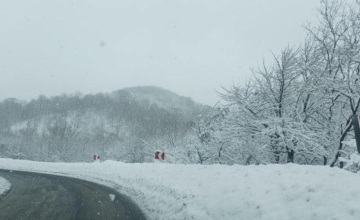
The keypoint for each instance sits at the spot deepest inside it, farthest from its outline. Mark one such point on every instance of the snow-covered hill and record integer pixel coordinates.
(166, 99)
(272, 192)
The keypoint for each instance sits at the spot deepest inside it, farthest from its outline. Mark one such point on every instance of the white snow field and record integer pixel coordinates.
(268, 192)
(4, 186)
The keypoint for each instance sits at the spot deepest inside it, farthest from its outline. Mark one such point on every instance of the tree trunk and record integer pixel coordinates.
(342, 138)
(325, 160)
(290, 156)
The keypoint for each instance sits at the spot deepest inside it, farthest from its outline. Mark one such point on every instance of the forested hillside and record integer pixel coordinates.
(118, 126)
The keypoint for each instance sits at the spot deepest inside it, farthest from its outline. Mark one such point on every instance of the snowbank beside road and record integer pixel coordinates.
(272, 192)
(4, 186)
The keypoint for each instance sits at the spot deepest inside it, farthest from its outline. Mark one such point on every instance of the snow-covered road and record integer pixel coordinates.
(272, 192)
(4, 186)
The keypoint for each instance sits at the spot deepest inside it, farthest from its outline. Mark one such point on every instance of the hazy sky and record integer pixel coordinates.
(191, 47)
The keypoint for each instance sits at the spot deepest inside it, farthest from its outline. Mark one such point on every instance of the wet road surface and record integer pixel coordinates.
(36, 196)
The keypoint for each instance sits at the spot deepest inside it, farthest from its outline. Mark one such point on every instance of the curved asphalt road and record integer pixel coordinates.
(36, 196)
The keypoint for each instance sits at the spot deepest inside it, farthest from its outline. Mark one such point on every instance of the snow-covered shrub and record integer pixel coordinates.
(352, 160)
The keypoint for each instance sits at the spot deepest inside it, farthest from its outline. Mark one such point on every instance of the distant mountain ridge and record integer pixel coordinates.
(166, 99)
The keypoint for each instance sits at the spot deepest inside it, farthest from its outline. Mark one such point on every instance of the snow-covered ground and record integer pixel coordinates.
(272, 192)
(4, 186)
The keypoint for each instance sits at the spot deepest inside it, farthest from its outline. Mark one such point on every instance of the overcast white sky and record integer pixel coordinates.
(191, 47)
